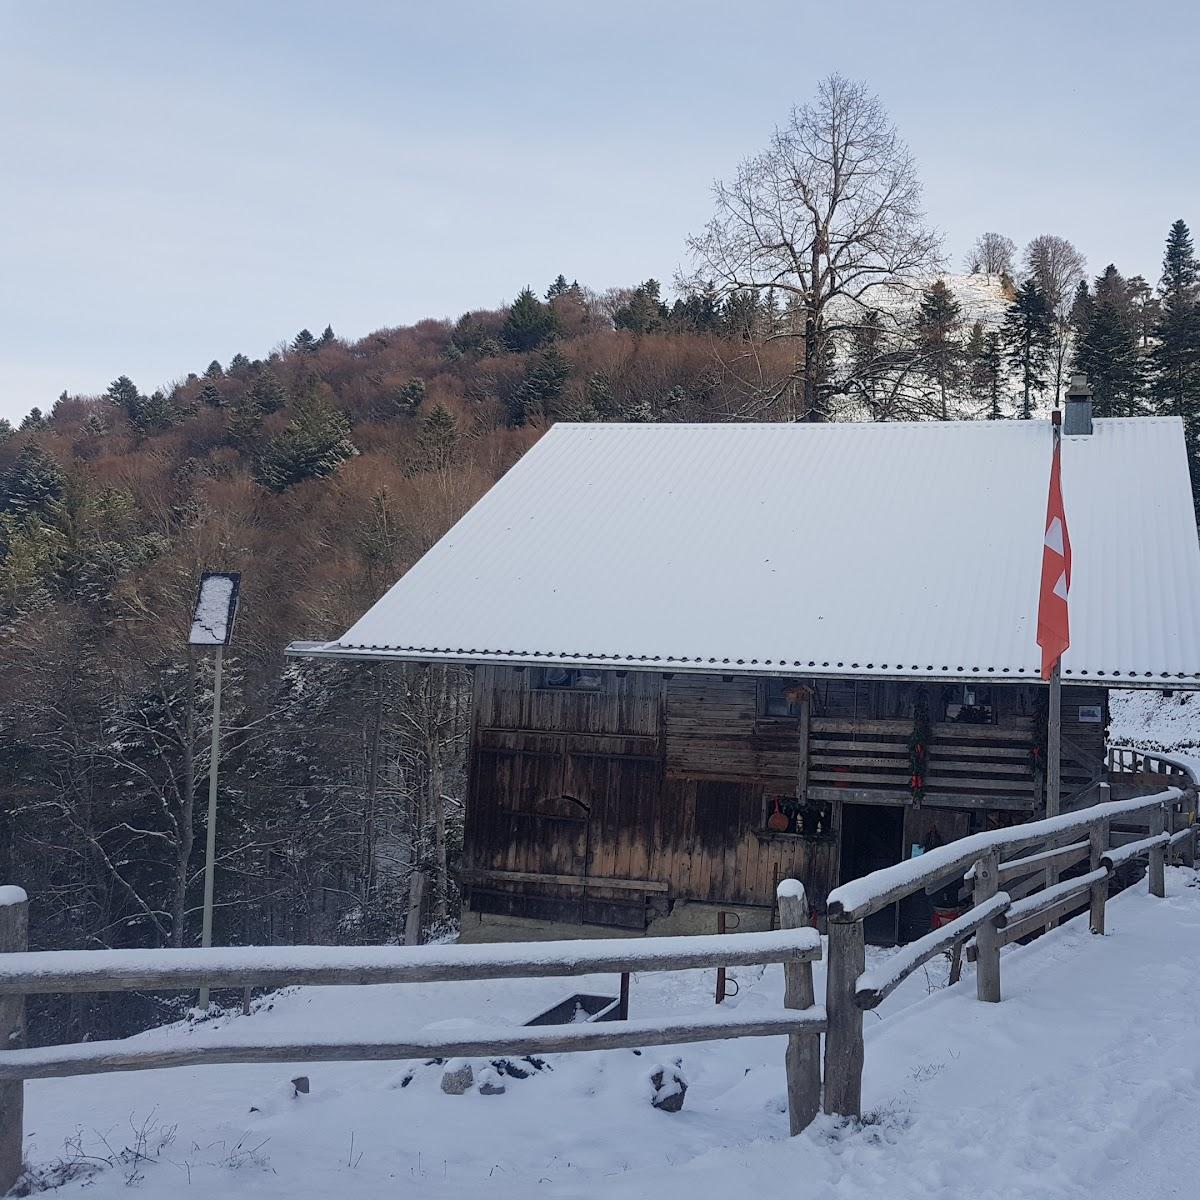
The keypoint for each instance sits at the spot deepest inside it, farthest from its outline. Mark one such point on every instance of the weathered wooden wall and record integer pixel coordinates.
(660, 785)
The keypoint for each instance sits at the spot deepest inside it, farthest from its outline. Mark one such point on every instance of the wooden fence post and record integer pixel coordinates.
(1158, 856)
(987, 944)
(14, 936)
(803, 1061)
(1097, 844)
(1188, 848)
(844, 1034)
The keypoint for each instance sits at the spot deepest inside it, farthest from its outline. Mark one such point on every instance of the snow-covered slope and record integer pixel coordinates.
(1079, 1085)
(1155, 720)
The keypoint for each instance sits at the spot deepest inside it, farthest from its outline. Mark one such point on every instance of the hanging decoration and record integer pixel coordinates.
(918, 747)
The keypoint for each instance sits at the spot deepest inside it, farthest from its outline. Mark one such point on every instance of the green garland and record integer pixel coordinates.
(918, 747)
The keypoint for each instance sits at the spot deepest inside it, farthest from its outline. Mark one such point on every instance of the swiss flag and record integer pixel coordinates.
(1053, 628)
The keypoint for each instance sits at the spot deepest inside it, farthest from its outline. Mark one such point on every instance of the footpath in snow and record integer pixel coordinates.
(1082, 1085)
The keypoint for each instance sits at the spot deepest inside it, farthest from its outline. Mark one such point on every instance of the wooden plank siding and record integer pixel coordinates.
(666, 778)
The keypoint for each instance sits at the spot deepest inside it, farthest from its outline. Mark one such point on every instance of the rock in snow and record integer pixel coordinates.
(458, 1077)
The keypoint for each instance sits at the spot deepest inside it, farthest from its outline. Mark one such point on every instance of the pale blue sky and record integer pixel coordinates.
(179, 182)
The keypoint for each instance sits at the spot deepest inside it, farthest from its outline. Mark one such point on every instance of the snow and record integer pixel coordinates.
(791, 889)
(1156, 721)
(1122, 854)
(1050, 896)
(12, 895)
(944, 860)
(210, 624)
(1081, 1085)
(716, 529)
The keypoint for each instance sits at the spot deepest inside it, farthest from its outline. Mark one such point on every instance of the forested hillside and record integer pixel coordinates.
(323, 469)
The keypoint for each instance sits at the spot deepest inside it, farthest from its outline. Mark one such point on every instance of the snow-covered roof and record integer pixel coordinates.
(889, 550)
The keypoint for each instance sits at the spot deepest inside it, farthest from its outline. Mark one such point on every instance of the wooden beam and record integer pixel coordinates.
(844, 1049)
(803, 1060)
(597, 881)
(281, 966)
(14, 938)
(54, 1062)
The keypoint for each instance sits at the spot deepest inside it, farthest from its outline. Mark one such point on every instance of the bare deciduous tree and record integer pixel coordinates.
(828, 214)
(1057, 268)
(992, 254)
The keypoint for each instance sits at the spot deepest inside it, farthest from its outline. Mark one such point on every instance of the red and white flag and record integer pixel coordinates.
(1053, 627)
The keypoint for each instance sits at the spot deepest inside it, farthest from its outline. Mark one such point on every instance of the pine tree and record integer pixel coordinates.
(535, 401)
(529, 322)
(314, 444)
(1107, 349)
(304, 343)
(210, 394)
(1028, 336)
(238, 364)
(214, 371)
(267, 392)
(327, 335)
(245, 425)
(993, 366)
(33, 484)
(124, 394)
(438, 439)
(643, 311)
(600, 398)
(1176, 356)
(560, 287)
(1146, 309)
(33, 420)
(938, 319)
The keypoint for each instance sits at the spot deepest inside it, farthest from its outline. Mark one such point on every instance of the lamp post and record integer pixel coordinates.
(212, 626)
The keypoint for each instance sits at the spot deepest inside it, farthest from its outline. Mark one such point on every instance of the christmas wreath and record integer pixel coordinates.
(918, 748)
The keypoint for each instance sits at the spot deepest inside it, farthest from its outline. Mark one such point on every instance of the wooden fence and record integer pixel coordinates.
(795, 945)
(1012, 875)
(1013, 879)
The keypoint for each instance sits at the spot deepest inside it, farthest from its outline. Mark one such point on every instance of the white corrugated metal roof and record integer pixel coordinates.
(874, 549)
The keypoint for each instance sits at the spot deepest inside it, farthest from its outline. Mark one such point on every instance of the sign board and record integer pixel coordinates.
(1090, 714)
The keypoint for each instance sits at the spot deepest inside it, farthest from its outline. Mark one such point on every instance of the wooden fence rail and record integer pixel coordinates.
(796, 945)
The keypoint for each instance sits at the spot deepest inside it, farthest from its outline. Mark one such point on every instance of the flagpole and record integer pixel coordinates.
(1054, 704)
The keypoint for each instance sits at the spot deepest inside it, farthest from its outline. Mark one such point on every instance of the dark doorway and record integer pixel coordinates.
(873, 837)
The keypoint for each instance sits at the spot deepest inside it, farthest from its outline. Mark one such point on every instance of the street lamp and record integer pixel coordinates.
(212, 626)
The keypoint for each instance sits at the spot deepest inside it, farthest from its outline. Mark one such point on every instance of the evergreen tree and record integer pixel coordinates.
(304, 343)
(535, 401)
(643, 311)
(314, 444)
(245, 426)
(1176, 356)
(740, 313)
(267, 392)
(210, 394)
(993, 367)
(1107, 350)
(529, 322)
(1028, 336)
(33, 484)
(938, 319)
(124, 394)
(327, 335)
(438, 439)
(238, 364)
(560, 287)
(6, 429)
(33, 420)
(214, 371)
(1146, 309)
(157, 414)
(601, 403)
(697, 312)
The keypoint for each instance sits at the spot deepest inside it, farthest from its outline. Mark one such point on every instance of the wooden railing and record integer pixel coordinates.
(795, 945)
(1013, 877)
(1130, 760)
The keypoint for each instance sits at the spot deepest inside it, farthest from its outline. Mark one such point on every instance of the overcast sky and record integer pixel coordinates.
(180, 182)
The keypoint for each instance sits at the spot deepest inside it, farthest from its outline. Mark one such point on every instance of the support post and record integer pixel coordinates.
(1158, 856)
(844, 1035)
(210, 847)
(623, 1001)
(1097, 844)
(14, 936)
(1187, 850)
(803, 1060)
(1054, 746)
(987, 942)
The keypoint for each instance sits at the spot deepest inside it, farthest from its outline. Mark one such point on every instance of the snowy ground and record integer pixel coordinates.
(1155, 720)
(1083, 1083)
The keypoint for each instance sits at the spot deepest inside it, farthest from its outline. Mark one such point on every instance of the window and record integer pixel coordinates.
(570, 679)
(784, 814)
(781, 697)
(969, 704)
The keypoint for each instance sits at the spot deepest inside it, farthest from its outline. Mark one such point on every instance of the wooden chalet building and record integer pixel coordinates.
(707, 657)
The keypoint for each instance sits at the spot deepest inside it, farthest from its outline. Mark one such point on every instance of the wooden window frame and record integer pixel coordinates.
(540, 683)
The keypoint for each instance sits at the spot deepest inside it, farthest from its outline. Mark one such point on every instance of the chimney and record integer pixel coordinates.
(1079, 406)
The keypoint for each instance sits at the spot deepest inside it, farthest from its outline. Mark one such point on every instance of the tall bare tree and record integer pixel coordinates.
(992, 254)
(828, 215)
(1057, 269)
